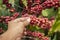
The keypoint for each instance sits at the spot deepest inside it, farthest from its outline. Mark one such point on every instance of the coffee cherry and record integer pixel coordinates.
(12, 10)
(8, 5)
(1, 30)
(5, 1)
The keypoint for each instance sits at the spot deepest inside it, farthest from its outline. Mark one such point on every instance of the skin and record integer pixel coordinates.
(15, 29)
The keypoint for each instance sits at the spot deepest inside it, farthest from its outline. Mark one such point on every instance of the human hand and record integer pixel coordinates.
(15, 29)
(18, 24)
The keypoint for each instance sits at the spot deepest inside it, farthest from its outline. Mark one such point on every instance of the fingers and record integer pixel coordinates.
(20, 19)
(26, 22)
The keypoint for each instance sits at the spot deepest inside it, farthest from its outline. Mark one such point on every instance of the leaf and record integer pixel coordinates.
(4, 12)
(18, 6)
(39, 29)
(56, 26)
(58, 20)
(4, 26)
(58, 35)
(45, 13)
(32, 28)
(12, 2)
(24, 2)
(0, 25)
(49, 12)
(55, 37)
(0, 2)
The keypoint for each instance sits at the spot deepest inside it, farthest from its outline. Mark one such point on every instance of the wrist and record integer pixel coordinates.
(15, 33)
(10, 35)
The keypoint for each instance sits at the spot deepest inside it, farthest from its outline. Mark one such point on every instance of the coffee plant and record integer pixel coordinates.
(44, 15)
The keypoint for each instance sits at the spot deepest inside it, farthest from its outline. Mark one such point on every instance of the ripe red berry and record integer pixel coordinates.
(37, 1)
(8, 5)
(12, 18)
(1, 30)
(5, 1)
(7, 17)
(15, 15)
(12, 10)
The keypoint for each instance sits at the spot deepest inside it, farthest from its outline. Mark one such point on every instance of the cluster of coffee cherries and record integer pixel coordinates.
(36, 35)
(5, 19)
(6, 2)
(51, 3)
(36, 7)
(41, 22)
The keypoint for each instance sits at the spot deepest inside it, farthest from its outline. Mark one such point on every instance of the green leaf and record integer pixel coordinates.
(24, 2)
(39, 29)
(18, 6)
(58, 20)
(0, 2)
(0, 25)
(45, 13)
(35, 28)
(55, 37)
(49, 12)
(4, 12)
(56, 26)
(4, 26)
(32, 28)
(58, 35)
(12, 2)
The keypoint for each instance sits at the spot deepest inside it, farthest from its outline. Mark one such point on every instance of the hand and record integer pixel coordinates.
(15, 29)
(18, 24)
